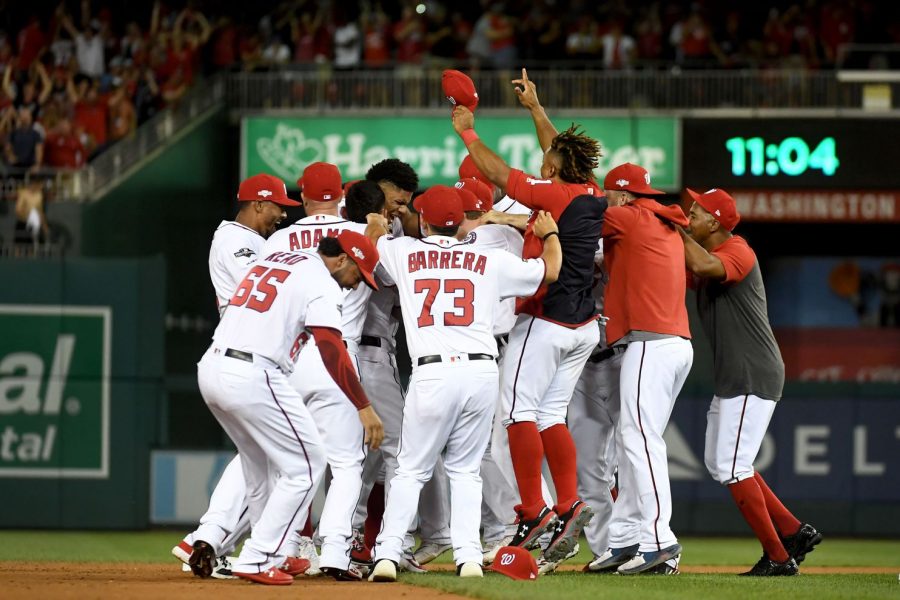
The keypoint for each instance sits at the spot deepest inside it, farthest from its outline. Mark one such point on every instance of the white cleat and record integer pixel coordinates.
(430, 551)
(470, 569)
(491, 553)
(384, 571)
(307, 549)
(546, 566)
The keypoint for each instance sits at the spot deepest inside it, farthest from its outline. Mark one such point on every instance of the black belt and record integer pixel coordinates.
(502, 340)
(239, 354)
(436, 358)
(370, 340)
(605, 354)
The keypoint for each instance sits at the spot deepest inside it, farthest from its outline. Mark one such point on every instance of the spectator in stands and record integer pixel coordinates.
(310, 37)
(24, 146)
(175, 87)
(376, 30)
(542, 35)
(502, 35)
(224, 47)
(63, 148)
(26, 95)
(479, 45)
(347, 40)
(88, 45)
(91, 114)
(31, 42)
(693, 40)
(619, 49)
(146, 92)
(838, 27)
(275, 53)
(122, 116)
(440, 42)
(31, 223)
(583, 44)
(409, 40)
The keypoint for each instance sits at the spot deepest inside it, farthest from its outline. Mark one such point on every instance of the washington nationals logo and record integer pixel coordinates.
(264, 193)
(358, 253)
(507, 559)
(622, 182)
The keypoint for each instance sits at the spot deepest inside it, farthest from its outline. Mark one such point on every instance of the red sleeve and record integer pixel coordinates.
(537, 194)
(616, 220)
(337, 362)
(737, 257)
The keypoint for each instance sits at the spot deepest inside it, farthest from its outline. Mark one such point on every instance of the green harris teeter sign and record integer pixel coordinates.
(54, 391)
(284, 146)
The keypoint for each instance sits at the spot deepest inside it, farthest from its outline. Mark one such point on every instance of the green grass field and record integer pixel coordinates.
(154, 546)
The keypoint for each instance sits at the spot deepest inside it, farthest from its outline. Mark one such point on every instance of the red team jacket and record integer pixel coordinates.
(644, 256)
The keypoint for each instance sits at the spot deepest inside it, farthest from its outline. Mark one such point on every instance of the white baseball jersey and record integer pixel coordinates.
(507, 239)
(306, 234)
(511, 207)
(449, 289)
(234, 247)
(280, 296)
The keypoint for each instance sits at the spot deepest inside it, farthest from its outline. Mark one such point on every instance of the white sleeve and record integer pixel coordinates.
(598, 255)
(324, 311)
(386, 268)
(518, 277)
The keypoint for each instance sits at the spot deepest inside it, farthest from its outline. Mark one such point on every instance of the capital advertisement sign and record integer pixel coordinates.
(54, 391)
(284, 146)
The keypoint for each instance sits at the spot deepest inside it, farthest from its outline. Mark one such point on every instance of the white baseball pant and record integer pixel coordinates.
(651, 377)
(735, 428)
(449, 408)
(542, 364)
(345, 449)
(274, 433)
(593, 416)
(225, 522)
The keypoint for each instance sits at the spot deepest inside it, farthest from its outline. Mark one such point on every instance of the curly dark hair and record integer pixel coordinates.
(578, 153)
(395, 171)
(362, 198)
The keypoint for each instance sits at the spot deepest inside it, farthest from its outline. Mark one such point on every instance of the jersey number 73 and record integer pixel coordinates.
(463, 302)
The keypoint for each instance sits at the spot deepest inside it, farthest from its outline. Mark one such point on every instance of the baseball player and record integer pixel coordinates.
(644, 301)
(236, 244)
(592, 419)
(284, 299)
(448, 292)
(335, 416)
(399, 182)
(556, 329)
(749, 377)
(500, 202)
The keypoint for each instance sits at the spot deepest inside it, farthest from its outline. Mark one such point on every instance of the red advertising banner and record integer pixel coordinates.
(818, 206)
(840, 354)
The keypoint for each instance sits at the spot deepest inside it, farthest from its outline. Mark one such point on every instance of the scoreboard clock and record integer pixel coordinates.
(782, 153)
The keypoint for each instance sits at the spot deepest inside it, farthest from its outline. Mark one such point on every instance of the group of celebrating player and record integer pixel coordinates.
(545, 319)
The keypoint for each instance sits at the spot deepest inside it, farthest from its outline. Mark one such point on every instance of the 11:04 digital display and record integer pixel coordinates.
(791, 156)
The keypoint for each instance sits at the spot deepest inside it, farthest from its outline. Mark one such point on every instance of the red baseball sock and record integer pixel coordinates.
(307, 530)
(527, 452)
(752, 505)
(560, 451)
(784, 519)
(374, 512)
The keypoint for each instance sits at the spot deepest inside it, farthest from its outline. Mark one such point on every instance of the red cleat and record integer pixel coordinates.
(270, 576)
(294, 566)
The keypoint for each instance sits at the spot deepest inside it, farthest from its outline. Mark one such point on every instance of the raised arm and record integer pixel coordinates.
(517, 221)
(700, 262)
(491, 166)
(528, 98)
(46, 85)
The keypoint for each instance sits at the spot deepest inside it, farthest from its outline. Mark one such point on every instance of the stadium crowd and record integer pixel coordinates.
(75, 81)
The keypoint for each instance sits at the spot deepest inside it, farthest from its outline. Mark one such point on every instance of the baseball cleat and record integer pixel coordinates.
(409, 563)
(349, 574)
(645, 561)
(430, 551)
(491, 553)
(767, 567)
(270, 576)
(547, 566)
(384, 571)
(670, 567)
(294, 566)
(360, 553)
(530, 530)
(469, 569)
(203, 559)
(612, 559)
(183, 552)
(222, 570)
(801, 543)
(307, 549)
(568, 529)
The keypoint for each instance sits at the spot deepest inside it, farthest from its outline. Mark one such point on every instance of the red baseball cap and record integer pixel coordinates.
(476, 195)
(629, 178)
(515, 563)
(350, 184)
(362, 251)
(720, 205)
(468, 169)
(264, 187)
(321, 182)
(459, 89)
(440, 206)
